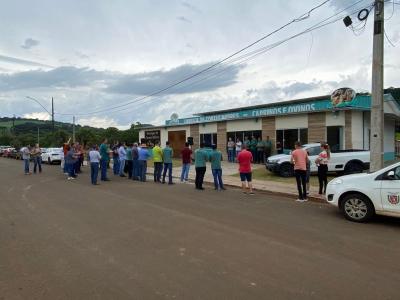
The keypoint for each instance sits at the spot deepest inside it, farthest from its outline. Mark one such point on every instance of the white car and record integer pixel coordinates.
(52, 155)
(361, 196)
(342, 161)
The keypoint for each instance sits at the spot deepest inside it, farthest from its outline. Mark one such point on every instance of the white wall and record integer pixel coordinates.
(208, 128)
(336, 119)
(357, 129)
(243, 125)
(291, 122)
(389, 135)
(164, 132)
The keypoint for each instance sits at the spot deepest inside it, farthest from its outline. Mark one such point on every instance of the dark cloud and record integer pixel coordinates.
(118, 83)
(183, 19)
(191, 7)
(58, 77)
(14, 60)
(146, 83)
(30, 43)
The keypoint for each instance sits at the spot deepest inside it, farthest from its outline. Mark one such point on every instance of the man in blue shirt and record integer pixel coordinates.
(167, 156)
(144, 155)
(200, 159)
(215, 159)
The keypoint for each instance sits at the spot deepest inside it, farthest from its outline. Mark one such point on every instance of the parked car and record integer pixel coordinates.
(52, 155)
(341, 161)
(15, 153)
(3, 149)
(7, 152)
(360, 196)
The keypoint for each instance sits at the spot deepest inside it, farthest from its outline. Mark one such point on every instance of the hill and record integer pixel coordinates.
(22, 131)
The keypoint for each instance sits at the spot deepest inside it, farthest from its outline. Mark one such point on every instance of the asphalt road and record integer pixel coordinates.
(130, 240)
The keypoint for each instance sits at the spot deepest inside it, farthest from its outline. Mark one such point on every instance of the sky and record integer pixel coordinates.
(100, 60)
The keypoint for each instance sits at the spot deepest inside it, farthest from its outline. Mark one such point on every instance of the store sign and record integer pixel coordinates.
(152, 135)
(259, 112)
(342, 97)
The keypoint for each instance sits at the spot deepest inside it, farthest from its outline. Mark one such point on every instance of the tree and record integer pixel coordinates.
(87, 136)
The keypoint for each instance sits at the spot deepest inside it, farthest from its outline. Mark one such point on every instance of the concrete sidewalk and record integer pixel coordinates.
(229, 169)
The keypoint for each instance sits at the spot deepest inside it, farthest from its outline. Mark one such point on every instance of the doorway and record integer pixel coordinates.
(177, 141)
(334, 136)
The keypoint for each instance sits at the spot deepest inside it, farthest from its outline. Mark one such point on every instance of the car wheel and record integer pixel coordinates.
(49, 161)
(286, 170)
(353, 167)
(357, 208)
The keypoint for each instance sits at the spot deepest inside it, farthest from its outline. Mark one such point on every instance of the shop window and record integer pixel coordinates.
(286, 138)
(208, 139)
(242, 134)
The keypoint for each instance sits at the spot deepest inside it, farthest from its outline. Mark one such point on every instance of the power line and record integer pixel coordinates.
(255, 53)
(300, 18)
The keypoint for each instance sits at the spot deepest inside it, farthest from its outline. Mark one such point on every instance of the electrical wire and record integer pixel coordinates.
(298, 19)
(262, 50)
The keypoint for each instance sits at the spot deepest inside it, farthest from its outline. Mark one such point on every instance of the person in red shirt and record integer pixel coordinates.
(186, 161)
(300, 159)
(245, 159)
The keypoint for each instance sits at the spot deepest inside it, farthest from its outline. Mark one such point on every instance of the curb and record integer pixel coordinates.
(290, 195)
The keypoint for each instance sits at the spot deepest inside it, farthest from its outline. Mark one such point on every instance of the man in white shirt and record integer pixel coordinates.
(26, 156)
(122, 156)
(94, 158)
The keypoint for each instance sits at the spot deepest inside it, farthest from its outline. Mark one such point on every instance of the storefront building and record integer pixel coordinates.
(344, 125)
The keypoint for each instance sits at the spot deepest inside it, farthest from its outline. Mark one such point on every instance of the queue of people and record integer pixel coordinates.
(260, 149)
(132, 159)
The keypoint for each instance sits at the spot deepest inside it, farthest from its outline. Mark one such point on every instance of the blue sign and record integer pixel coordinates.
(361, 101)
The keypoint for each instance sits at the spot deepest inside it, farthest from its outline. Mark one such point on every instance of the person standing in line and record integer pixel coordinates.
(322, 163)
(78, 152)
(135, 162)
(122, 156)
(267, 148)
(65, 154)
(105, 158)
(158, 161)
(238, 147)
(253, 147)
(168, 153)
(37, 159)
(200, 160)
(26, 156)
(231, 150)
(128, 161)
(246, 143)
(144, 155)
(186, 162)
(308, 175)
(215, 159)
(94, 158)
(245, 159)
(299, 160)
(260, 151)
(115, 158)
(71, 160)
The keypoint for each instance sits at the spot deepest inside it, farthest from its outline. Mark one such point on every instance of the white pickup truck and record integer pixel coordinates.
(342, 161)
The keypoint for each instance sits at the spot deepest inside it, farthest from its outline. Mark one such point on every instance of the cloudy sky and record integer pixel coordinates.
(100, 59)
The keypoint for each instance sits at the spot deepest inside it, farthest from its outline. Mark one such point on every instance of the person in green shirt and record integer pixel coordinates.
(105, 158)
(268, 147)
(167, 153)
(200, 159)
(215, 159)
(158, 161)
(260, 151)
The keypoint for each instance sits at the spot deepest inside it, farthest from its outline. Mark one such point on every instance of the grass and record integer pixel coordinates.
(8, 124)
(263, 174)
(176, 162)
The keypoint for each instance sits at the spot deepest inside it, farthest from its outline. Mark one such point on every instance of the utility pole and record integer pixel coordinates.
(52, 112)
(377, 114)
(38, 136)
(73, 129)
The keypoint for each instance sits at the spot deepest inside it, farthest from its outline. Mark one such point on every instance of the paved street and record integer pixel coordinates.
(130, 240)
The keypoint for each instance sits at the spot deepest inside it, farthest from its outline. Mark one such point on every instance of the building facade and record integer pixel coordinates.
(343, 125)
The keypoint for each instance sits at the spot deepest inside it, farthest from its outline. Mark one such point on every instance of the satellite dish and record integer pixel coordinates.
(174, 116)
(342, 96)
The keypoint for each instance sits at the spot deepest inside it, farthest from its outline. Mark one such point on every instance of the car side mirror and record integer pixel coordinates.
(390, 175)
